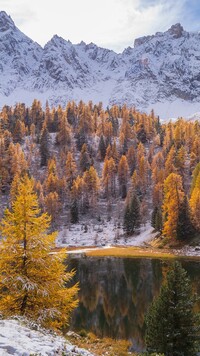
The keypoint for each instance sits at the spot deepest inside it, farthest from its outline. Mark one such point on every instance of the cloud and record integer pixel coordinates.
(145, 17)
(21, 13)
(142, 4)
(109, 23)
(23, 17)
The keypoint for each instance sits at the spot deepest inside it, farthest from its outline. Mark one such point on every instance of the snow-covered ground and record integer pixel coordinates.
(108, 235)
(99, 235)
(18, 339)
(172, 110)
(188, 251)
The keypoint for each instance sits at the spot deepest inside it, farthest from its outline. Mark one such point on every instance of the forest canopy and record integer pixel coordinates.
(89, 161)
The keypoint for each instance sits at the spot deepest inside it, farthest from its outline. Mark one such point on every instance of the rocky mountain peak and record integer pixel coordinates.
(160, 68)
(141, 40)
(176, 30)
(6, 22)
(82, 43)
(57, 41)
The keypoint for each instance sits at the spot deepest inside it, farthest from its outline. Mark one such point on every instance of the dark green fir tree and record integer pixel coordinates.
(172, 326)
(185, 228)
(74, 212)
(126, 223)
(80, 139)
(159, 221)
(44, 145)
(156, 219)
(102, 148)
(153, 217)
(132, 215)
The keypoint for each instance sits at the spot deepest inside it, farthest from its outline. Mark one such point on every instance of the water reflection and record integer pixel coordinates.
(115, 293)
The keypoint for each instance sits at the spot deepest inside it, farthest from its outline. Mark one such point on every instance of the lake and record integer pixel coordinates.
(115, 293)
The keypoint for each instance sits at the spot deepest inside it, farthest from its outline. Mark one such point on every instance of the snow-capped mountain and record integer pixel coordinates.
(161, 71)
(19, 57)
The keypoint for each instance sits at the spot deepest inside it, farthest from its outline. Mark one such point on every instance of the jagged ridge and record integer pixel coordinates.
(160, 68)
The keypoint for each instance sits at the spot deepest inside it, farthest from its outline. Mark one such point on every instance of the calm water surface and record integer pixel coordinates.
(115, 293)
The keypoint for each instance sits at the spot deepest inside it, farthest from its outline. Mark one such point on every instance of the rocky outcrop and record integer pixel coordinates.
(160, 68)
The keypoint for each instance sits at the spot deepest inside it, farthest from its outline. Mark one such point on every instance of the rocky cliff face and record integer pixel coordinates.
(159, 70)
(167, 64)
(19, 57)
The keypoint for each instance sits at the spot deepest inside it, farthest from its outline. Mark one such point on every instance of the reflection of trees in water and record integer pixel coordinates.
(115, 294)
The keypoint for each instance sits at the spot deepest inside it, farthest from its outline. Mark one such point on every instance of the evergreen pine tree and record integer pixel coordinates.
(153, 217)
(185, 228)
(44, 146)
(156, 219)
(80, 139)
(159, 221)
(102, 148)
(74, 212)
(126, 223)
(132, 215)
(172, 326)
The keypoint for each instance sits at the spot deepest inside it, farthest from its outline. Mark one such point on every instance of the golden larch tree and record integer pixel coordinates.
(71, 169)
(173, 197)
(91, 185)
(108, 177)
(170, 163)
(123, 171)
(32, 278)
(195, 197)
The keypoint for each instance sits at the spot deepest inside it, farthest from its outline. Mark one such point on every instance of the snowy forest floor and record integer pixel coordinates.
(100, 235)
(81, 239)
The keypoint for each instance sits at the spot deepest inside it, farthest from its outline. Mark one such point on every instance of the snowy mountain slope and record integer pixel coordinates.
(161, 71)
(19, 56)
(167, 64)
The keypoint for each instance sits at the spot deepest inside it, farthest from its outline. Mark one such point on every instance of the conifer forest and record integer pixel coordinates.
(90, 163)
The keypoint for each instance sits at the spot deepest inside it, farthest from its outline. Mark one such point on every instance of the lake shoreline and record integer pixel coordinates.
(134, 252)
(147, 243)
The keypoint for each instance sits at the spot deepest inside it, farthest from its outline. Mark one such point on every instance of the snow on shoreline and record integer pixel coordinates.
(20, 340)
(107, 236)
(188, 251)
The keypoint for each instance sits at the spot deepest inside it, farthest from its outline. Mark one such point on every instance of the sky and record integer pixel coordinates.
(112, 24)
